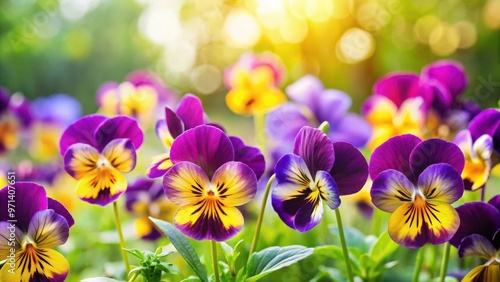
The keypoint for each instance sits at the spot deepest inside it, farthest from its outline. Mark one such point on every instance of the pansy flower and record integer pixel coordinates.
(15, 116)
(209, 179)
(317, 172)
(478, 145)
(51, 116)
(39, 224)
(253, 84)
(145, 198)
(189, 114)
(417, 181)
(140, 96)
(479, 235)
(97, 151)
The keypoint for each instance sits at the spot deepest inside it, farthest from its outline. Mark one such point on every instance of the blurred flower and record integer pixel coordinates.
(189, 114)
(478, 146)
(253, 83)
(363, 201)
(40, 224)
(15, 116)
(338, 169)
(478, 235)
(51, 115)
(145, 198)
(417, 181)
(142, 95)
(97, 150)
(208, 181)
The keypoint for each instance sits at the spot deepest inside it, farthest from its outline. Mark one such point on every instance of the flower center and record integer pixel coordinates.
(102, 162)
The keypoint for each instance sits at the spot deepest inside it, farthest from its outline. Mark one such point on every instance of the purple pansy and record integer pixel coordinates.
(417, 181)
(209, 178)
(40, 224)
(97, 150)
(15, 116)
(145, 198)
(317, 172)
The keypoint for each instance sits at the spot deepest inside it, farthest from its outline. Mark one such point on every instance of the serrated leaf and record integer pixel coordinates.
(274, 258)
(183, 246)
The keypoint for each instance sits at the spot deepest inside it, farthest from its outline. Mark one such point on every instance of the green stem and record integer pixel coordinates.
(483, 193)
(261, 216)
(418, 264)
(120, 236)
(350, 277)
(444, 262)
(215, 261)
(259, 123)
(377, 220)
(134, 276)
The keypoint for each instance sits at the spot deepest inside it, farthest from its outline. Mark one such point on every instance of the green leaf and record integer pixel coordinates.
(329, 273)
(183, 246)
(336, 253)
(383, 248)
(191, 279)
(135, 253)
(273, 258)
(99, 279)
(354, 237)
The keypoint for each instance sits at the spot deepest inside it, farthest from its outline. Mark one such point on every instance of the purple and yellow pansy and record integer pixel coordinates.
(97, 151)
(319, 171)
(253, 84)
(189, 114)
(140, 96)
(145, 198)
(209, 178)
(417, 181)
(15, 116)
(39, 225)
(479, 235)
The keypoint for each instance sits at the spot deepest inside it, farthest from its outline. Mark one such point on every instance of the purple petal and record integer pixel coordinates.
(495, 201)
(118, 127)
(476, 245)
(141, 77)
(159, 166)
(61, 210)
(185, 184)
(250, 156)
(20, 106)
(352, 129)
(328, 189)
(105, 89)
(476, 218)
(332, 105)
(58, 108)
(235, 184)
(29, 199)
(397, 87)
(284, 122)
(309, 215)
(487, 122)
(80, 159)
(48, 229)
(350, 169)
(206, 146)
(4, 99)
(391, 189)
(434, 151)
(292, 169)
(138, 192)
(172, 122)
(306, 91)
(314, 147)
(6, 229)
(190, 111)
(394, 154)
(449, 73)
(441, 182)
(81, 131)
(121, 154)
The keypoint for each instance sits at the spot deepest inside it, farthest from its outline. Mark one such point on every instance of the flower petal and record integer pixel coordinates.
(141, 77)
(394, 154)
(397, 87)
(309, 214)
(314, 147)
(145, 230)
(284, 122)
(350, 169)
(138, 191)
(379, 110)
(449, 73)
(121, 154)
(204, 145)
(185, 183)
(118, 127)
(209, 221)
(390, 190)
(159, 166)
(478, 165)
(10, 238)
(80, 159)
(248, 155)
(305, 91)
(287, 199)
(48, 229)
(166, 129)
(34, 264)
(487, 122)
(328, 189)
(101, 186)
(441, 182)
(434, 151)
(60, 210)
(190, 111)
(235, 184)
(476, 218)
(29, 199)
(476, 245)
(495, 201)
(484, 273)
(352, 128)
(332, 106)
(292, 169)
(81, 131)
